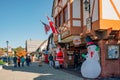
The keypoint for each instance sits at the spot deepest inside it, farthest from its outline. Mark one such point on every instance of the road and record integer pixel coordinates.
(35, 72)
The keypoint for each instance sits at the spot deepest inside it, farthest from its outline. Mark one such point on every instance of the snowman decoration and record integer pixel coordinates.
(91, 66)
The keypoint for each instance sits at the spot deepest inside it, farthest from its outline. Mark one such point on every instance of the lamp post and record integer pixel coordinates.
(87, 5)
(89, 19)
(7, 50)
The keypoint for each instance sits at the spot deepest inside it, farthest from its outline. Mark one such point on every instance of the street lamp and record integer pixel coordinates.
(7, 50)
(89, 19)
(87, 5)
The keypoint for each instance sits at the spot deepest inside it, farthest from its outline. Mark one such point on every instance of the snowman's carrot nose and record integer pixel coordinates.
(91, 54)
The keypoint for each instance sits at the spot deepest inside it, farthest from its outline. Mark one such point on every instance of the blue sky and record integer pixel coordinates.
(20, 21)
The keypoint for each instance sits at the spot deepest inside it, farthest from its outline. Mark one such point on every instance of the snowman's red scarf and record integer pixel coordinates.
(90, 43)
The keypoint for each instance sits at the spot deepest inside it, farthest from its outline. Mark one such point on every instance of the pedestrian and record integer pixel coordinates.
(50, 60)
(40, 59)
(18, 60)
(28, 60)
(75, 53)
(22, 61)
(15, 61)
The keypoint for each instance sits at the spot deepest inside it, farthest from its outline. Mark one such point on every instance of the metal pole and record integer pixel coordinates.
(89, 7)
(90, 16)
(7, 50)
(89, 19)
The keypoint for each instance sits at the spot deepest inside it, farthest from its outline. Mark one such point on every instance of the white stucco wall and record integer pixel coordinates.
(64, 2)
(117, 3)
(57, 8)
(95, 12)
(85, 15)
(108, 11)
(95, 9)
(68, 10)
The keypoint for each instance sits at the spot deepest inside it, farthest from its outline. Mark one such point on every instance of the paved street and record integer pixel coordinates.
(34, 72)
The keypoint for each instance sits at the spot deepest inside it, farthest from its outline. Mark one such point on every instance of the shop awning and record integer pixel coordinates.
(69, 38)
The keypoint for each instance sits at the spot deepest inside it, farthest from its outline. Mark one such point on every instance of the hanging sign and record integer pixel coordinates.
(76, 40)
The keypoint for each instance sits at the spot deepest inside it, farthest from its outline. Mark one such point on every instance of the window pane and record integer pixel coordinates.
(61, 18)
(65, 13)
(57, 21)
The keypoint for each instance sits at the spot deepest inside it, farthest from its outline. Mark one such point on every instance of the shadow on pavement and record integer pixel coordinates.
(44, 72)
(33, 68)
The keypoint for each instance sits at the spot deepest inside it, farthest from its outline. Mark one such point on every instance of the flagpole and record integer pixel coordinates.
(52, 25)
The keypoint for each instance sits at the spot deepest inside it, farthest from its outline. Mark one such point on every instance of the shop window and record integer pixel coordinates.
(57, 21)
(113, 51)
(65, 14)
(61, 18)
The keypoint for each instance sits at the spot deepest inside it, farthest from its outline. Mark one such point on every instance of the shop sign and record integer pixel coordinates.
(76, 41)
(65, 33)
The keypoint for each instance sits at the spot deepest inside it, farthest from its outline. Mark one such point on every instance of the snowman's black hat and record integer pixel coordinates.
(89, 41)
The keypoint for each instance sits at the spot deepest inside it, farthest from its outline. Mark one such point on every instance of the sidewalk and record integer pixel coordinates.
(77, 73)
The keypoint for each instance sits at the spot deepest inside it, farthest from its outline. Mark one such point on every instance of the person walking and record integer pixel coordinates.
(15, 61)
(28, 60)
(22, 61)
(18, 60)
(40, 59)
(51, 60)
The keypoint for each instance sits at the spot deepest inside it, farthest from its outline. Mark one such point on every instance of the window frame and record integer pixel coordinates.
(113, 51)
(65, 14)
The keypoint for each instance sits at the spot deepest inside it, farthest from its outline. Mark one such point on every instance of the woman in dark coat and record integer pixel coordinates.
(75, 59)
(15, 61)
